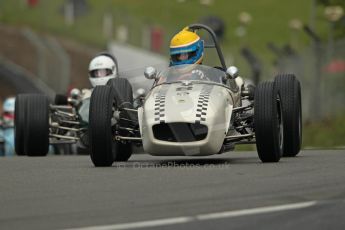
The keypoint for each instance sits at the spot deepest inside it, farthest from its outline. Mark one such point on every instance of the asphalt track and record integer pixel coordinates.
(229, 191)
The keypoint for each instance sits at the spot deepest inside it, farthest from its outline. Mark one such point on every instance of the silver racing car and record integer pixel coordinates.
(196, 110)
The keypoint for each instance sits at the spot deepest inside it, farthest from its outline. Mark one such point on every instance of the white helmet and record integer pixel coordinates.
(102, 68)
(8, 110)
(9, 105)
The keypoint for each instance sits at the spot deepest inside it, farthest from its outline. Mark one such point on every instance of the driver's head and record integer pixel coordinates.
(8, 110)
(186, 47)
(102, 68)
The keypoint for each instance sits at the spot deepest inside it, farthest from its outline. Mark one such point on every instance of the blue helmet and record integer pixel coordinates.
(186, 47)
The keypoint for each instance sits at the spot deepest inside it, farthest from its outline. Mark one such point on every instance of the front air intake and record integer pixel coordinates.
(179, 132)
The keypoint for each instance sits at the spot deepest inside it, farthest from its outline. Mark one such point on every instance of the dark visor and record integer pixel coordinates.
(100, 73)
(177, 57)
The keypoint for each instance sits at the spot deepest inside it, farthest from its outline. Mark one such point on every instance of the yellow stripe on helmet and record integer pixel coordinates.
(184, 38)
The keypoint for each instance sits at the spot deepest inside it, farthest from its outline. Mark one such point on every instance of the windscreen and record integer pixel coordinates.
(191, 73)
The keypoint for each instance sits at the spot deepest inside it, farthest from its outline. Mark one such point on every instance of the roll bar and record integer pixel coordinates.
(195, 27)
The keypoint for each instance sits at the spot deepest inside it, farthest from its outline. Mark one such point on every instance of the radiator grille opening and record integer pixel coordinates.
(179, 132)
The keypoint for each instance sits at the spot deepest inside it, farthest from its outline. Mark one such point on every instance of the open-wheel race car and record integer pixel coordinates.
(41, 126)
(191, 110)
(61, 126)
(196, 110)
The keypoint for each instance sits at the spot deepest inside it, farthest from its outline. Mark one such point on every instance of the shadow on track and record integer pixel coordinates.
(187, 163)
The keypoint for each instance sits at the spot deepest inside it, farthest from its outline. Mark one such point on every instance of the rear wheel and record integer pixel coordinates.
(268, 122)
(124, 96)
(124, 99)
(61, 99)
(36, 133)
(19, 123)
(290, 92)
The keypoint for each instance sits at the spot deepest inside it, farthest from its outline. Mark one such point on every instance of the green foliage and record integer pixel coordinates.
(327, 133)
(339, 26)
(331, 2)
(270, 18)
(270, 23)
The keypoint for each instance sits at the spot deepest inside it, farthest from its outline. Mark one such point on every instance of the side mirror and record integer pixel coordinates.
(150, 73)
(75, 93)
(233, 72)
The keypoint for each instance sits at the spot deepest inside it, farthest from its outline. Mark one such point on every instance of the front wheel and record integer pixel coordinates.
(100, 128)
(124, 100)
(268, 122)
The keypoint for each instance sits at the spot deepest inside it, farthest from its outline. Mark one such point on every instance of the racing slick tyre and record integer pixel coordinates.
(36, 133)
(19, 123)
(268, 122)
(103, 148)
(124, 99)
(290, 92)
(61, 99)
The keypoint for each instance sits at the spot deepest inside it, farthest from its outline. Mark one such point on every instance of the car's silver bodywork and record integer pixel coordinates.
(193, 102)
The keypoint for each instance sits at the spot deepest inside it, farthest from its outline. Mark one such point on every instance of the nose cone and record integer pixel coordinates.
(182, 103)
(204, 106)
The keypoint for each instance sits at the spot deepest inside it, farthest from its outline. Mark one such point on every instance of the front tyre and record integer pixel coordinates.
(124, 100)
(268, 122)
(102, 102)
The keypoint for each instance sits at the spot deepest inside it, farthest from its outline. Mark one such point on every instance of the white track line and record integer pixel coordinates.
(211, 216)
(252, 211)
(142, 224)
